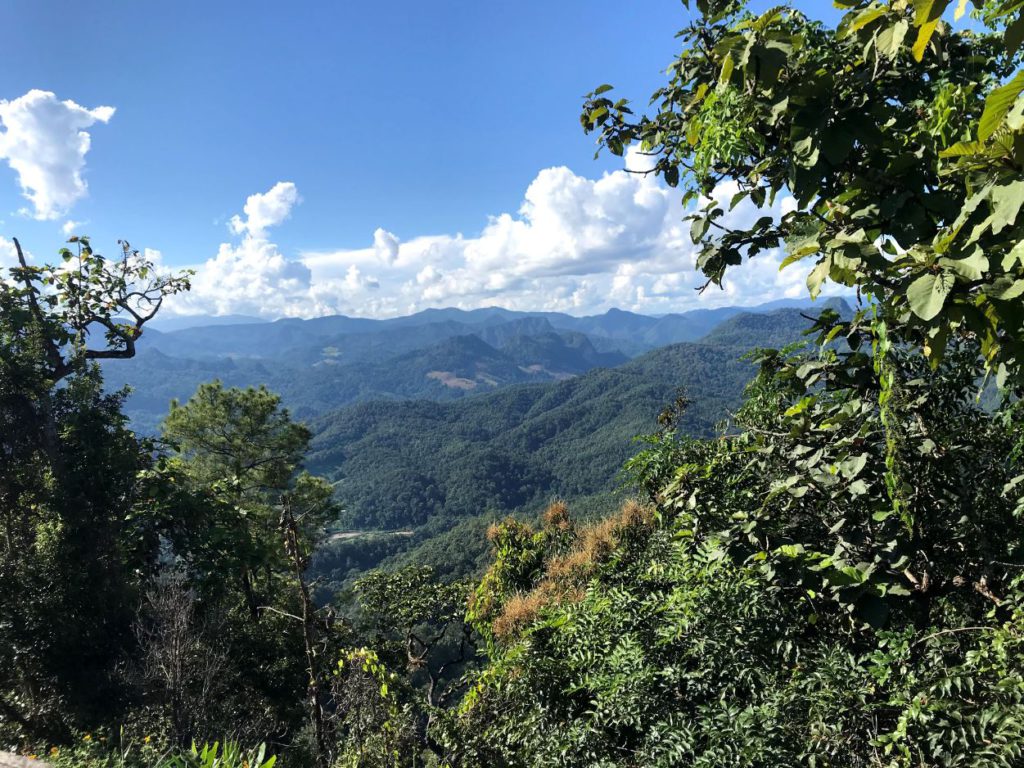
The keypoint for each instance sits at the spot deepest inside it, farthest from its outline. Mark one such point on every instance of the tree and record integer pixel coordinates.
(302, 509)
(63, 306)
(243, 450)
(838, 579)
(78, 540)
(901, 148)
(415, 623)
(240, 451)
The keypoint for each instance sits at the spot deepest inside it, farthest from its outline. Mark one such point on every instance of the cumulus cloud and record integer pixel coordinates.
(265, 210)
(8, 256)
(385, 245)
(69, 226)
(575, 244)
(252, 276)
(45, 142)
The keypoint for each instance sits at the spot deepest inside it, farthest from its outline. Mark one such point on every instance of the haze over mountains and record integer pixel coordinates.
(440, 354)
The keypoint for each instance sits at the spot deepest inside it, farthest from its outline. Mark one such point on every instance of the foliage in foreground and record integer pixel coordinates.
(898, 137)
(840, 581)
(156, 585)
(95, 752)
(770, 606)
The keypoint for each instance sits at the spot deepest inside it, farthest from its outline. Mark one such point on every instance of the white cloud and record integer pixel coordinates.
(45, 143)
(8, 256)
(385, 245)
(576, 244)
(252, 276)
(266, 210)
(69, 226)
(638, 161)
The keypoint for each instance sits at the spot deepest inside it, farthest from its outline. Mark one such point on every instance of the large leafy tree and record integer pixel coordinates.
(242, 450)
(248, 548)
(78, 540)
(895, 134)
(836, 581)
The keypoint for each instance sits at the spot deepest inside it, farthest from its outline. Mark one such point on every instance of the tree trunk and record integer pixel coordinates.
(316, 709)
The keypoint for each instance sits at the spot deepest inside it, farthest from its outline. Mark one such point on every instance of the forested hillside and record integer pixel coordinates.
(522, 443)
(423, 466)
(325, 363)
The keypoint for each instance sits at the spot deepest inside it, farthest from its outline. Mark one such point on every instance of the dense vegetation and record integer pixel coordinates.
(836, 578)
(840, 582)
(322, 364)
(425, 467)
(152, 587)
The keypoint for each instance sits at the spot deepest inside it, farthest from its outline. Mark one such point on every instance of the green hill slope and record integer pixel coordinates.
(438, 468)
(419, 362)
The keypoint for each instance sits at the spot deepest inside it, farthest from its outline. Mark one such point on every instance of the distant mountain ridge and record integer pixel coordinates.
(169, 324)
(326, 363)
(226, 337)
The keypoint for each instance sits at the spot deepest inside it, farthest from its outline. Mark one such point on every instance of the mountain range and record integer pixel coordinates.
(326, 363)
(432, 425)
(441, 470)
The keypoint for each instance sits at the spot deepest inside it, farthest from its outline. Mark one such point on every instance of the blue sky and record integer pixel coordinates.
(425, 123)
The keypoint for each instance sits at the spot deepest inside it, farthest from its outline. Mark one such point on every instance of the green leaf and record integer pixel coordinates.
(852, 465)
(818, 276)
(864, 18)
(927, 14)
(699, 228)
(998, 104)
(928, 293)
(806, 151)
(800, 407)
(602, 89)
(1015, 255)
(858, 488)
(970, 268)
(1014, 35)
(726, 74)
(1015, 117)
(1010, 290)
(963, 148)
(1006, 202)
(890, 39)
(779, 109)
